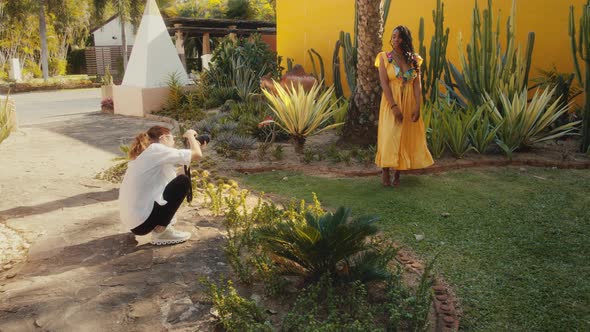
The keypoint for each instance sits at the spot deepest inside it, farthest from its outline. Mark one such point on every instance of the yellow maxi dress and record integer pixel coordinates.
(401, 146)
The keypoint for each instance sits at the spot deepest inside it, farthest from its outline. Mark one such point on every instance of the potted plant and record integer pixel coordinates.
(107, 105)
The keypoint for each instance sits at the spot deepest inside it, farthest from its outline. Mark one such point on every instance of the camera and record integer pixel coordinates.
(201, 139)
(204, 139)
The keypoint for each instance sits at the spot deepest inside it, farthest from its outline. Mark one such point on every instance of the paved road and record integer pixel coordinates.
(42, 107)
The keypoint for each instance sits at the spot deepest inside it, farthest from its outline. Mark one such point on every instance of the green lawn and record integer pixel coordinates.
(515, 248)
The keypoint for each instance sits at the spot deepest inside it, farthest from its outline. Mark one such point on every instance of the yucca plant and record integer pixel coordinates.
(457, 125)
(435, 134)
(523, 123)
(483, 132)
(328, 244)
(246, 81)
(302, 114)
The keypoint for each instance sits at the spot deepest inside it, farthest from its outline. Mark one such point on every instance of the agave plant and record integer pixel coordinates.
(483, 132)
(456, 125)
(523, 123)
(300, 113)
(235, 142)
(327, 244)
(435, 134)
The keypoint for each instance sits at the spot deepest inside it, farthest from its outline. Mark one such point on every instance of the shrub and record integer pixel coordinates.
(255, 54)
(7, 119)
(57, 67)
(324, 307)
(235, 312)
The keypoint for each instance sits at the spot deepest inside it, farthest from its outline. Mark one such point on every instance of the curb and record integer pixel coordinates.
(443, 301)
(430, 170)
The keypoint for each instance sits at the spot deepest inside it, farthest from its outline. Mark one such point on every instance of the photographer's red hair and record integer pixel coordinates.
(143, 140)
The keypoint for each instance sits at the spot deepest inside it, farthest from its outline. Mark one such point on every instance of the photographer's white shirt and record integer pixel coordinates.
(145, 180)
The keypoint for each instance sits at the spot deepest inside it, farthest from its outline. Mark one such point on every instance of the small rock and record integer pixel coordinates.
(522, 169)
(285, 178)
(419, 237)
(272, 312)
(256, 298)
(7, 266)
(221, 263)
(10, 275)
(445, 214)
(439, 289)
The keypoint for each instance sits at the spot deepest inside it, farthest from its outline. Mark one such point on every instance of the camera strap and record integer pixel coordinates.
(187, 172)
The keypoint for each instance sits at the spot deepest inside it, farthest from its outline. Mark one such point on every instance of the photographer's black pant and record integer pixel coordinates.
(161, 215)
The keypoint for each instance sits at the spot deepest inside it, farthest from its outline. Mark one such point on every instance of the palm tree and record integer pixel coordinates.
(360, 126)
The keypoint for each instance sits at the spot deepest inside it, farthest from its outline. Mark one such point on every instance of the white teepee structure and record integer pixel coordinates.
(154, 57)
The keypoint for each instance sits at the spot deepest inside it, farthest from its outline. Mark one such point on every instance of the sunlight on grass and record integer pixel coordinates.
(514, 247)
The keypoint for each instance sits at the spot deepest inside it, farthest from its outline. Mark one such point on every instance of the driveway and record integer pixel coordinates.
(42, 107)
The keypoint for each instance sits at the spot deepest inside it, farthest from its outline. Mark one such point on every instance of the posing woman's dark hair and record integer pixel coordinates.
(407, 45)
(143, 140)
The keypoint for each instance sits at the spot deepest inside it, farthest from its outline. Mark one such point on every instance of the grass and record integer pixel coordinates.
(515, 247)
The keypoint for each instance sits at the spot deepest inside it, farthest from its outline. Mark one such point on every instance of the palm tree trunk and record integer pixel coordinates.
(361, 122)
(43, 36)
(124, 44)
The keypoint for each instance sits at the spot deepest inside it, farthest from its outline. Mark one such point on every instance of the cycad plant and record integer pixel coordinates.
(523, 123)
(302, 114)
(330, 244)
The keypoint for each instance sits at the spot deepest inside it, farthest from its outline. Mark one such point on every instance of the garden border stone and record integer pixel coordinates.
(463, 164)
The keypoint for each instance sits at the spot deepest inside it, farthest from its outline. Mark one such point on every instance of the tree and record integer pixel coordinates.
(360, 126)
(128, 11)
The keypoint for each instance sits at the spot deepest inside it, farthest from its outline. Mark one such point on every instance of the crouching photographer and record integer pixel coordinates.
(151, 191)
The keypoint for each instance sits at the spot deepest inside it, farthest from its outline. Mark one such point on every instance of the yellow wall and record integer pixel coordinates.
(305, 24)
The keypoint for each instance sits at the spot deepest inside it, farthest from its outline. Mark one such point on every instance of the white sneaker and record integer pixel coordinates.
(169, 236)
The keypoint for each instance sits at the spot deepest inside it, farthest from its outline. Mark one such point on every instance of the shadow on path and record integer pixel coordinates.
(73, 201)
(103, 131)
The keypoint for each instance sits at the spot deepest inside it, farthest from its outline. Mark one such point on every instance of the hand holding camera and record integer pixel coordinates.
(203, 139)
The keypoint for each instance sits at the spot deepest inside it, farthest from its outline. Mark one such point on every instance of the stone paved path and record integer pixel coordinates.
(83, 272)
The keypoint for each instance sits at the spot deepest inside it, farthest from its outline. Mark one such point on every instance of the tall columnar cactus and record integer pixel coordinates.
(485, 70)
(581, 51)
(321, 74)
(437, 58)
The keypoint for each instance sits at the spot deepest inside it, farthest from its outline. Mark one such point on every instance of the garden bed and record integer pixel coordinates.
(561, 154)
(49, 86)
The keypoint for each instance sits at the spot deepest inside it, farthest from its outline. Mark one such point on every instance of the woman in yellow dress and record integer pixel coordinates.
(401, 139)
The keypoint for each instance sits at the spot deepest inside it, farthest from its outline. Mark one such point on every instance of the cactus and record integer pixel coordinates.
(581, 51)
(485, 70)
(437, 58)
(321, 74)
(336, 71)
